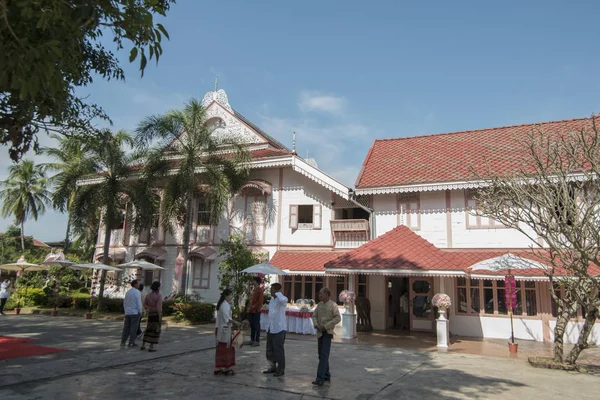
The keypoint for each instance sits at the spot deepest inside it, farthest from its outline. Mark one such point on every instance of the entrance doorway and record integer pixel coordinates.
(421, 311)
(398, 303)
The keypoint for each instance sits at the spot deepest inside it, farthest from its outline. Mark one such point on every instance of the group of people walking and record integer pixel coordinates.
(325, 317)
(135, 308)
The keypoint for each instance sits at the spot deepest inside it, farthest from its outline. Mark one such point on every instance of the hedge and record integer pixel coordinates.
(195, 312)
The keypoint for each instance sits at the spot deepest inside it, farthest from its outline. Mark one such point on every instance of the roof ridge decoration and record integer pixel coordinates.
(219, 96)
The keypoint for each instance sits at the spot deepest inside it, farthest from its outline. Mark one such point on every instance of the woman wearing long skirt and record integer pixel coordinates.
(153, 305)
(225, 352)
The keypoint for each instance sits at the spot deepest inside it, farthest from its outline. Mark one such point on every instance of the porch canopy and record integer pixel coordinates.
(397, 252)
(306, 262)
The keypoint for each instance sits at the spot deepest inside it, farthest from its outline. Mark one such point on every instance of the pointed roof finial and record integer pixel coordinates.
(294, 142)
(216, 82)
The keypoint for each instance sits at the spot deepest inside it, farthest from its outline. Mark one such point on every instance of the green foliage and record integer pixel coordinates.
(237, 257)
(185, 135)
(112, 305)
(10, 248)
(33, 297)
(45, 55)
(194, 312)
(25, 193)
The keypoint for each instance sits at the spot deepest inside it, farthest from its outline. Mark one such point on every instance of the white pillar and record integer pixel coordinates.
(348, 326)
(442, 332)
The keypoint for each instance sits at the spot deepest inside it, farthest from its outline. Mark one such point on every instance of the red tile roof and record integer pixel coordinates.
(400, 249)
(303, 260)
(448, 157)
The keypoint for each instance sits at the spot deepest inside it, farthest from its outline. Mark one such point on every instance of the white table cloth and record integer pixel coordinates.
(294, 324)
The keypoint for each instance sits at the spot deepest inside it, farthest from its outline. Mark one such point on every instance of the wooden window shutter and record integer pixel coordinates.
(317, 216)
(294, 216)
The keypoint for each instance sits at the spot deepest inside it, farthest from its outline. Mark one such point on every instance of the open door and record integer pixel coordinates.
(421, 310)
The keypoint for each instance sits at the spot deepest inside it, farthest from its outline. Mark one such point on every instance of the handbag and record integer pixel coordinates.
(224, 334)
(237, 341)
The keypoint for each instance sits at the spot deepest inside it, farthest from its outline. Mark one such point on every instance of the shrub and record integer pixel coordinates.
(84, 290)
(33, 297)
(168, 307)
(195, 312)
(11, 304)
(112, 305)
(80, 300)
(61, 301)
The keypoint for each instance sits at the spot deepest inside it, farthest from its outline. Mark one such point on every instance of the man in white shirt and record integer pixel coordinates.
(276, 332)
(132, 305)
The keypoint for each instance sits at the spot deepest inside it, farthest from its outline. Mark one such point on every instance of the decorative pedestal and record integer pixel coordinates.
(442, 330)
(348, 326)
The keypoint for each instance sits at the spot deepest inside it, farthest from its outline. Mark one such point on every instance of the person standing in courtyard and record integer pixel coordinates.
(225, 352)
(276, 332)
(4, 294)
(132, 305)
(256, 303)
(153, 305)
(139, 329)
(325, 318)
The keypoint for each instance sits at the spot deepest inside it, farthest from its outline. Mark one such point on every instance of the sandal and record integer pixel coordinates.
(218, 372)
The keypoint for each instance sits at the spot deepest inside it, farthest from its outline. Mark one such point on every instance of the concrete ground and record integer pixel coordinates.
(95, 367)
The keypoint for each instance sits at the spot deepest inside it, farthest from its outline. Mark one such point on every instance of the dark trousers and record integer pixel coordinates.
(255, 327)
(2, 304)
(130, 328)
(324, 350)
(275, 350)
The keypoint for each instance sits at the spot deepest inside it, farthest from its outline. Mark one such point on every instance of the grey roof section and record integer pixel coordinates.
(260, 131)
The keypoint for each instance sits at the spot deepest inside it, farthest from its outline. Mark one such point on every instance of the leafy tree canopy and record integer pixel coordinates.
(50, 47)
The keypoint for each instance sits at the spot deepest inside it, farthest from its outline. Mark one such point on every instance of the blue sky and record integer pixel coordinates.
(344, 73)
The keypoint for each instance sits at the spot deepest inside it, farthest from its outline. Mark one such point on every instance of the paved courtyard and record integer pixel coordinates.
(95, 367)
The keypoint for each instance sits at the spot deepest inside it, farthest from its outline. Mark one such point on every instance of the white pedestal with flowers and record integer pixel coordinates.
(348, 316)
(442, 302)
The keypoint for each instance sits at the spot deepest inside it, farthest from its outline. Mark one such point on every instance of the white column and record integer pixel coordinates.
(442, 332)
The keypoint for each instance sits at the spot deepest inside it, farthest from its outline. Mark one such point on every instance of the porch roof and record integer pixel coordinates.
(398, 249)
(303, 262)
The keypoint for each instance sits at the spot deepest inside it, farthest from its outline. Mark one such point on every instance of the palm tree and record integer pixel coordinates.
(71, 163)
(215, 166)
(25, 194)
(119, 183)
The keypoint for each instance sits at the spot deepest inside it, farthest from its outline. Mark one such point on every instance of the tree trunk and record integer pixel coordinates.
(104, 261)
(67, 233)
(22, 237)
(559, 332)
(582, 341)
(187, 227)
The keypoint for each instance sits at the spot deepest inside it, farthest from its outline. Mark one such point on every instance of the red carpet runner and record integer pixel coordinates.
(13, 347)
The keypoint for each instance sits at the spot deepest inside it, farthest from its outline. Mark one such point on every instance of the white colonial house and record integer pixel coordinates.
(407, 231)
(289, 207)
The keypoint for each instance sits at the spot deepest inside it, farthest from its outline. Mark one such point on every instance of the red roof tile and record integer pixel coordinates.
(448, 157)
(399, 248)
(303, 260)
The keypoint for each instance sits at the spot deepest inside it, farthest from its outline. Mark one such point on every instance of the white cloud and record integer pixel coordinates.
(318, 102)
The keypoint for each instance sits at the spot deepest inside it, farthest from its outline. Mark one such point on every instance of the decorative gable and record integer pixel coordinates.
(226, 125)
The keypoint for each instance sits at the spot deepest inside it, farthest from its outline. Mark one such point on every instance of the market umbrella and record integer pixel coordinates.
(508, 262)
(265, 268)
(22, 265)
(96, 266)
(141, 264)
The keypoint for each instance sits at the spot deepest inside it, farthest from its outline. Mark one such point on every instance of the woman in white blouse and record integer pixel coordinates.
(225, 353)
(4, 294)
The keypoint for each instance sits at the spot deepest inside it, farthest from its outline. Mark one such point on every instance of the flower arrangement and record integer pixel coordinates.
(265, 306)
(347, 296)
(304, 309)
(299, 301)
(441, 300)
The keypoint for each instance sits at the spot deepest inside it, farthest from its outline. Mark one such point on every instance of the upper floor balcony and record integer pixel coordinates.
(350, 233)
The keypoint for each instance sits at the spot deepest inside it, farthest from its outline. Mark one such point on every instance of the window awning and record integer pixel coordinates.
(260, 185)
(155, 253)
(116, 254)
(208, 253)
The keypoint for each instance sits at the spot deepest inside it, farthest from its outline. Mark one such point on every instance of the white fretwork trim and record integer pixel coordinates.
(401, 272)
(304, 168)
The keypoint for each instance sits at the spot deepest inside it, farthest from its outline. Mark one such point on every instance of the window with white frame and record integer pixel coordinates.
(255, 218)
(200, 273)
(305, 216)
(484, 296)
(473, 214)
(203, 218)
(409, 208)
(297, 287)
